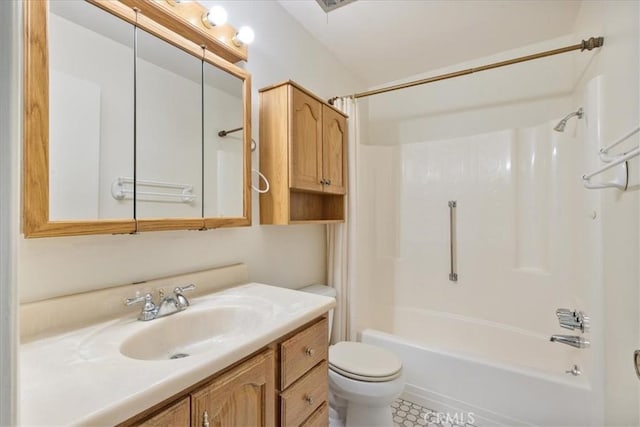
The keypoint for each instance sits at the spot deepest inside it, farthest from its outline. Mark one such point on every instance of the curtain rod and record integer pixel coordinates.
(589, 44)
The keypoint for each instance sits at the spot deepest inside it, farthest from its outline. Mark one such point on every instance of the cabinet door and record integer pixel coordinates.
(177, 415)
(334, 156)
(305, 143)
(244, 396)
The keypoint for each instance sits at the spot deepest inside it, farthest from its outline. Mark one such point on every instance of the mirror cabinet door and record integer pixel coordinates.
(91, 81)
(121, 125)
(168, 130)
(223, 155)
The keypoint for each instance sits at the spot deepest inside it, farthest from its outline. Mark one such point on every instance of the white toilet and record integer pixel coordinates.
(363, 379)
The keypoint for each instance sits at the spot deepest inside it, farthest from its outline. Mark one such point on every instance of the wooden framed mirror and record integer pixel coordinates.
(92, 125)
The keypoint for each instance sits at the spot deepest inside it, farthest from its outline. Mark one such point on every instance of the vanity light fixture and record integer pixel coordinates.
(245, 35)
(214, 16)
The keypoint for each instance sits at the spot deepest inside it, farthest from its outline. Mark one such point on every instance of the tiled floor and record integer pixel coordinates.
(409, 414)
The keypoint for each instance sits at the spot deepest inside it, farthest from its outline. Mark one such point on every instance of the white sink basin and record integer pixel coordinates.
(191, 332)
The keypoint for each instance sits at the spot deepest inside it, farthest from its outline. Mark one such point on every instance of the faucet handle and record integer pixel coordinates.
(564, 312)
(181, 289)
(148, 309)
(146, 298)
(183, 302)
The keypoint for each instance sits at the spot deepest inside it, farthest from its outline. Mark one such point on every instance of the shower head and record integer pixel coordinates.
(563, 123)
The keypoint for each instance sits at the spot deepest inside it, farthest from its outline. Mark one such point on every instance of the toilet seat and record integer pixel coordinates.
(364, 362)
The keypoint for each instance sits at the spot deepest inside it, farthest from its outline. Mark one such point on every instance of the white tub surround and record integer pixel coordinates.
(81, 376)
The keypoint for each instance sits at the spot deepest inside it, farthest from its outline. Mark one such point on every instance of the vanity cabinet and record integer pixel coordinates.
(303, 153)
(242, 397)
(284, 384)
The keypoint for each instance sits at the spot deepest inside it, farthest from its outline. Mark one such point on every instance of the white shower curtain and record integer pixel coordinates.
(341, 246)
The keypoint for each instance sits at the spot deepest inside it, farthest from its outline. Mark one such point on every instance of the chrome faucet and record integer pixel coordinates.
(572, 340)
(168, 304)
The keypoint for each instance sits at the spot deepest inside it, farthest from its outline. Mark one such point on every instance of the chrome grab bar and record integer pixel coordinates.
(453, 275)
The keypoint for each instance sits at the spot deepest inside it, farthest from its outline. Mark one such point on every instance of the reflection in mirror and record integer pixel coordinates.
(91, 78)
(223, 156)
(168, 130)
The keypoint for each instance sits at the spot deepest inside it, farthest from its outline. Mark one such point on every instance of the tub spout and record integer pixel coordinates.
(572, 340)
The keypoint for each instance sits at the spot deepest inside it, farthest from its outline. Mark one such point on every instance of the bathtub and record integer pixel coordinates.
(487, 374)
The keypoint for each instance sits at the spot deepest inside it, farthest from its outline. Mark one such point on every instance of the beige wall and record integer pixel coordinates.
(289, 256)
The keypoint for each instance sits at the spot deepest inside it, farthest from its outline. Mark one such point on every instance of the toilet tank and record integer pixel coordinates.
(326, 291)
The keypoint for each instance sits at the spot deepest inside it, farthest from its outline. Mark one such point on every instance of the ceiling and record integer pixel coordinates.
(386, 40)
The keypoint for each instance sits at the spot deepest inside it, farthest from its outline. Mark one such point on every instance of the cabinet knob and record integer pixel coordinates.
(328, 182)
(309, 351)
(323, 181)
(205, 419)
(308, 399)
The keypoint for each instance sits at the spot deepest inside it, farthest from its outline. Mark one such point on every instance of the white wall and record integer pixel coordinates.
(9, 205)
(289, 256)
(617, 63)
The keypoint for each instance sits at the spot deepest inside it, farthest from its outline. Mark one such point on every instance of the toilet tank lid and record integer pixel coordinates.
(320, 290)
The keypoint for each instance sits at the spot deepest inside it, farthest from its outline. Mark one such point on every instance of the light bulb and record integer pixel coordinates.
(245, 35)
(215, 16)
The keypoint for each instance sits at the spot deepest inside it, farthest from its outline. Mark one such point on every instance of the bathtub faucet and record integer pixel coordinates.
(573, 319)
(572, 340)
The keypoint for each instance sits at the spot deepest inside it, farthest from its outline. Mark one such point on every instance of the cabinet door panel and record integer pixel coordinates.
(334, 137)
(177, 415)
(306, 142)
(243, 396)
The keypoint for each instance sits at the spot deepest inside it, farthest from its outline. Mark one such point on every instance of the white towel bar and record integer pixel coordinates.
(605, 151)
(622, 179)
(119, 191)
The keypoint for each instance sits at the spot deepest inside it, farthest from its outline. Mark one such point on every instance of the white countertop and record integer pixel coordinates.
(81, 378)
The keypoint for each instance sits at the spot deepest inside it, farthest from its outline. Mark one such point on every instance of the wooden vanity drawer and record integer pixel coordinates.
(320, 418)
(305, 396)
(302, 351)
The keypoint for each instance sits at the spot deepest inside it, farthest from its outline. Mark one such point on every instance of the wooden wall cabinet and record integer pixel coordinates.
(285, 384)
(303, 154)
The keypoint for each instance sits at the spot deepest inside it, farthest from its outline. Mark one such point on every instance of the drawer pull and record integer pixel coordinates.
(205, 419)
(309, 351)
(308, 399)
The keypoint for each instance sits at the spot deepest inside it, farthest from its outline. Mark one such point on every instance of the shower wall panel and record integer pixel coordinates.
(521, 220)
